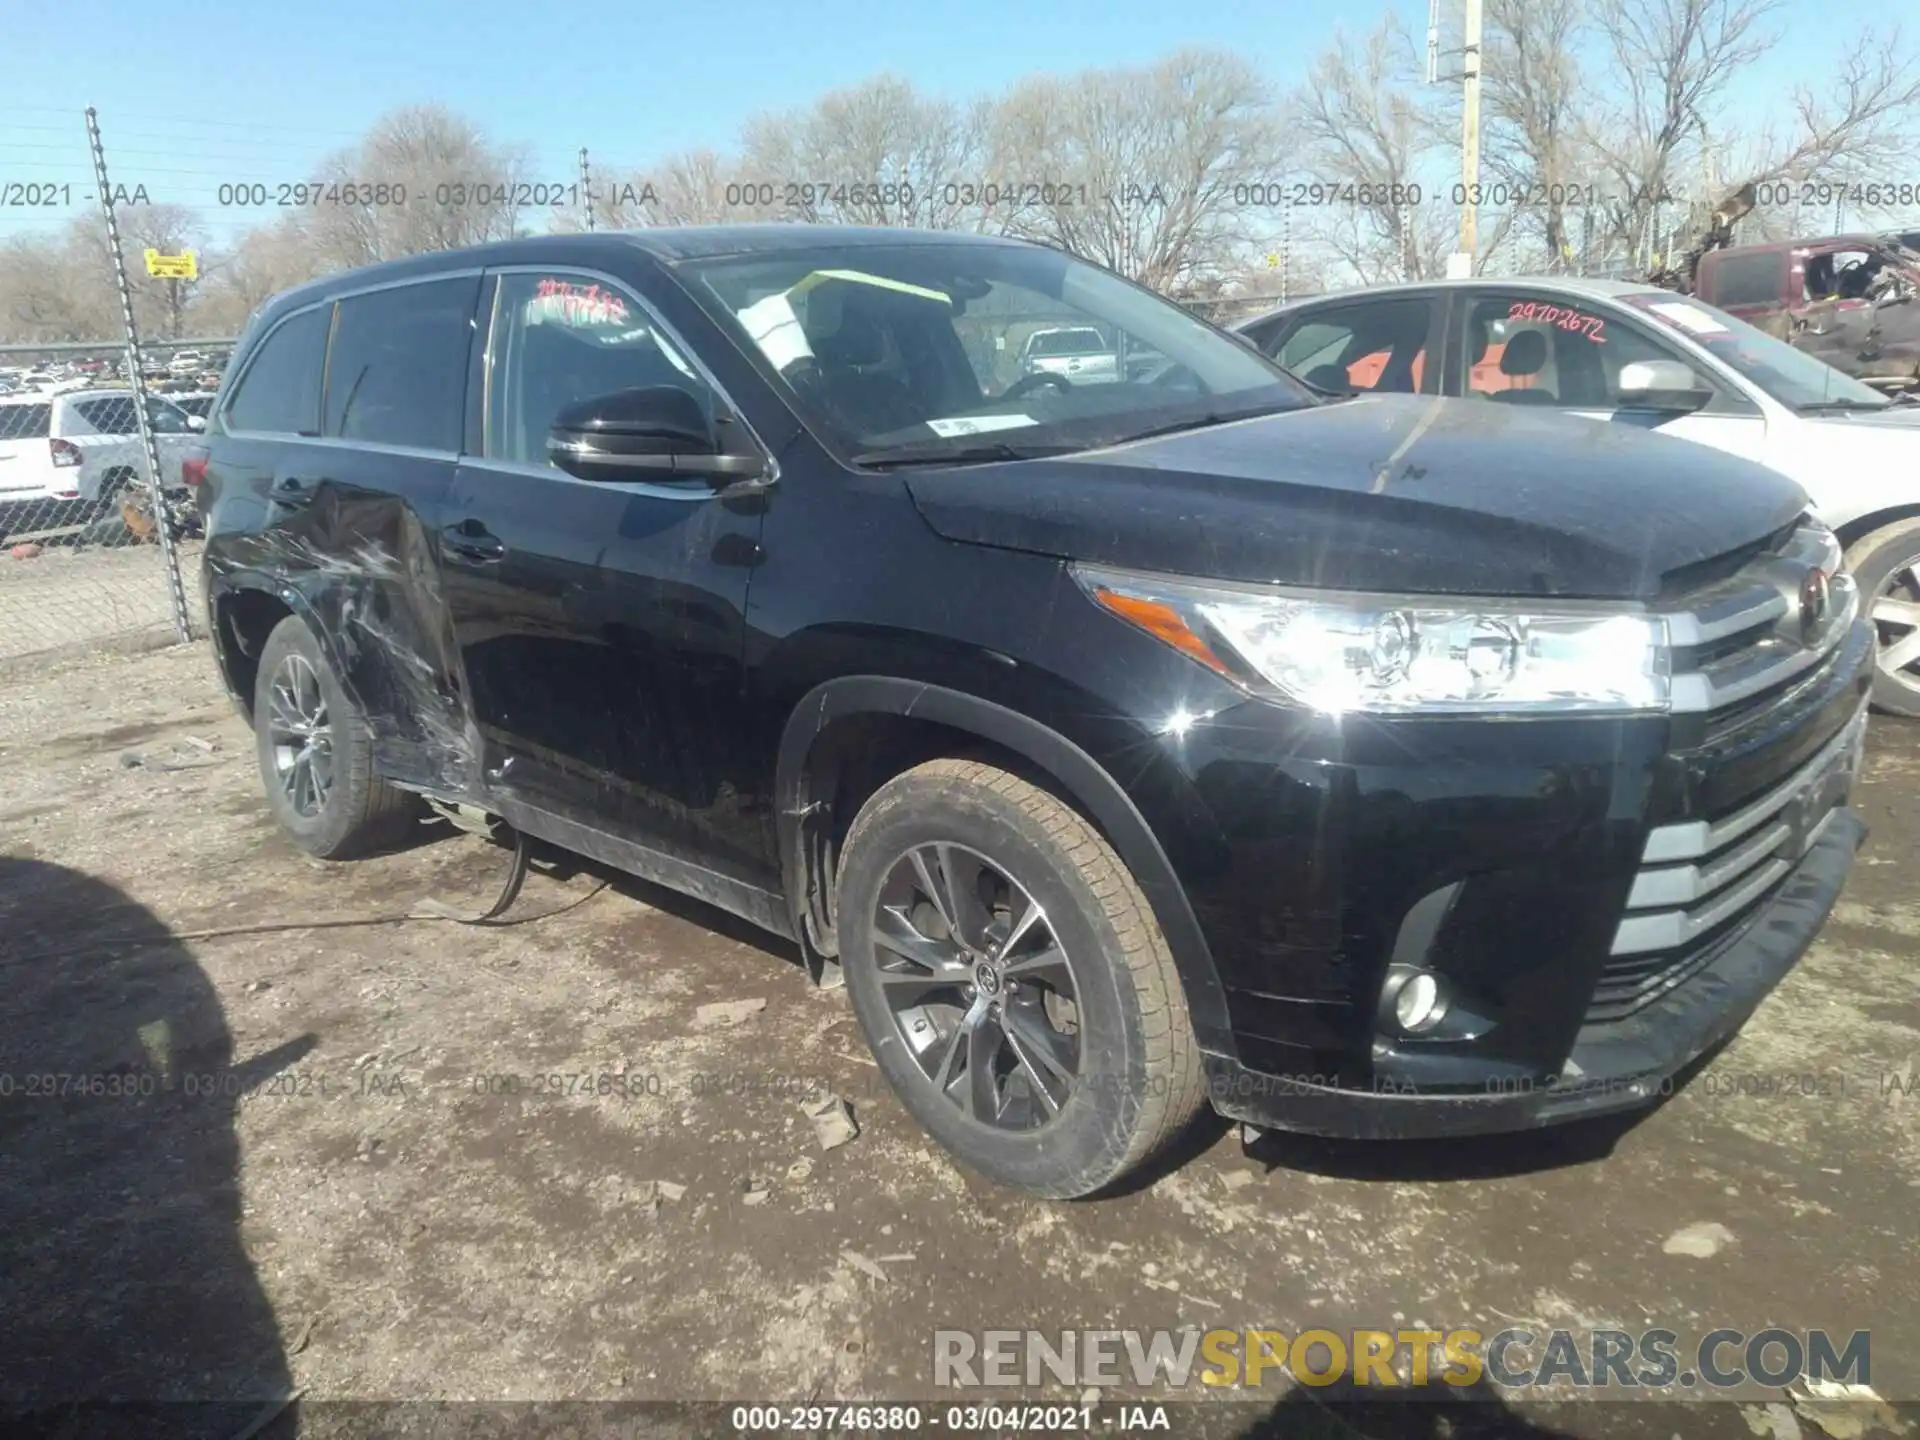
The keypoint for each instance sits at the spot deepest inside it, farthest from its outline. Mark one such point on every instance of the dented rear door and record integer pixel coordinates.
(352, 510)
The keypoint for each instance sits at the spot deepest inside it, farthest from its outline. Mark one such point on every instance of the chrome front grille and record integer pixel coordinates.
(1746, 647)
(1756, 631)
(1697, 875)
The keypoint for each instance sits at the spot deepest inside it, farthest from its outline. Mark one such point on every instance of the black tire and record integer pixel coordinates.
(358, 813)
(1138, 1080)
(1890, 558)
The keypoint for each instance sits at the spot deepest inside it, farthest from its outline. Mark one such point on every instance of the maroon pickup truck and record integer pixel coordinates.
(1852, 300)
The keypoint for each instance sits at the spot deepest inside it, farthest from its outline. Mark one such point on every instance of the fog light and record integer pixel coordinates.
(1415, 1000)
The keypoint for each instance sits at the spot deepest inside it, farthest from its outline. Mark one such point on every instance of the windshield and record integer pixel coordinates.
(919, 346)
(1790, 376)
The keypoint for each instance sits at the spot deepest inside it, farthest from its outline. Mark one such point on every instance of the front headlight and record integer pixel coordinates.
(1401, 655)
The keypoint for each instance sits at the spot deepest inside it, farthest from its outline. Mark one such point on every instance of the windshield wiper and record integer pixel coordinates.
(1818, 407)
(896, 457)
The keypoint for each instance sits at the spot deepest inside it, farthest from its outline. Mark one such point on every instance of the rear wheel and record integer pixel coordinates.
(316, 753)
(1011, 981)
(1886, 565)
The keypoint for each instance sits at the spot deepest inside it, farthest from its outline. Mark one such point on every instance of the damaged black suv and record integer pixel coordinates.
(1371, 766)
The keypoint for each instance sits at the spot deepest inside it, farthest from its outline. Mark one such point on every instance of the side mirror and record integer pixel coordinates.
(1668, 385)
(196, 422)
(652, 433)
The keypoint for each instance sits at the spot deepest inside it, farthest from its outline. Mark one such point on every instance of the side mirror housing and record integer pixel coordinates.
(656, 432)
(196, 422)
(1666, 385)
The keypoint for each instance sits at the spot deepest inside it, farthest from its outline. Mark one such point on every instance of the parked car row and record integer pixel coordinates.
(191, 370)
(70, 456)
(1645, 358)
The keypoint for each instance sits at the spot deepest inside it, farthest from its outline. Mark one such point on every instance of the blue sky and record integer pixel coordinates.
(190, 95)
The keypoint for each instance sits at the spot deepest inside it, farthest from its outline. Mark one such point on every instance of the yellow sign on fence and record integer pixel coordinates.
(173, 267)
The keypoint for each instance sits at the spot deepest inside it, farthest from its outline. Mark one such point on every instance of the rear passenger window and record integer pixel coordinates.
(397, 369)
(1749, 279)
(280, 392)
(113, 415)
(109, 417)
(1368, 345)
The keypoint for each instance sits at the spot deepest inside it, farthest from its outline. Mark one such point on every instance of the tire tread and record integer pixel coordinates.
(378, 815)
(1175, 1089)
(1888, 695)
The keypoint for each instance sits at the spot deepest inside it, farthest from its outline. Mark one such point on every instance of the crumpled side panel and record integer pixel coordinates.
(361, 569)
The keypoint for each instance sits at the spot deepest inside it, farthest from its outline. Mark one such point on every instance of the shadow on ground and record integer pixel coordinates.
(125, 1281)
(1443, 1411)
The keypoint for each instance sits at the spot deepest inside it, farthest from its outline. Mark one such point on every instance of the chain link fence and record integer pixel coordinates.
(98, 438)
(84, 558)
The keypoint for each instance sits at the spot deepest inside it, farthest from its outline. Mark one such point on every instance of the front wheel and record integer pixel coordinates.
(1886, 565)
(1011, 981)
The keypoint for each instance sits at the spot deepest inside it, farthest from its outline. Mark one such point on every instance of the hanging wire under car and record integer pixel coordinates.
(429, 909)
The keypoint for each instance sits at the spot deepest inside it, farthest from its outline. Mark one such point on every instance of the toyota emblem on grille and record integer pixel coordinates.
(1816, 598)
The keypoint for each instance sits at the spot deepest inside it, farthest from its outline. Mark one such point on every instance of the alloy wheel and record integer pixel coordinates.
(301, 736)
(1896, 618)
(978, 986)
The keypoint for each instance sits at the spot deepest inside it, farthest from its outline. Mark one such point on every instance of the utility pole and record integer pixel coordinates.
(586, 186)
(1469, 144)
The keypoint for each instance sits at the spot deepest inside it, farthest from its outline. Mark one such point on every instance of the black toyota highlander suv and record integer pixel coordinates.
(1375, 766)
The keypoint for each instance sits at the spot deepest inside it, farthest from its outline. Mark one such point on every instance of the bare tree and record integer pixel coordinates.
(160, 306)
(1669, 63)
(445, 186)
(1532, 134)
(263, 262)
(1370, 136)
(49, 291)
(689, 189)
(1158, 173)
(878, 153)
(1855, 130)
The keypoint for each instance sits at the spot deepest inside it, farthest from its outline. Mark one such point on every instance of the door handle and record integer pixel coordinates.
(291, 490)
(473, 541)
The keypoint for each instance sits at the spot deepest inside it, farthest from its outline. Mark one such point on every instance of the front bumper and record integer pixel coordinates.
(1614, 1066)
(1605, 901)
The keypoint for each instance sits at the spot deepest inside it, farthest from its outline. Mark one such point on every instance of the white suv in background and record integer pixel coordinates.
(66, 458)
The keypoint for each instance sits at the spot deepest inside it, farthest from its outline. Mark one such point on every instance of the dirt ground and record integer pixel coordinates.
(381, 1215)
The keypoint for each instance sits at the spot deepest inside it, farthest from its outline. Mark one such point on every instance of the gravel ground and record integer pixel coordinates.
(383, 1215)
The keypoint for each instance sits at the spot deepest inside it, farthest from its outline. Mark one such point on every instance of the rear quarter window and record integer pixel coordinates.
(280, 389)
(109, 416)
(25, 422)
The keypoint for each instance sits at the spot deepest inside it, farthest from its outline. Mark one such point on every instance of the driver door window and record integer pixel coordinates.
(1838, 275)
(560, 339)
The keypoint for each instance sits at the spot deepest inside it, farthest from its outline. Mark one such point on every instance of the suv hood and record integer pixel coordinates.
(1390, 492)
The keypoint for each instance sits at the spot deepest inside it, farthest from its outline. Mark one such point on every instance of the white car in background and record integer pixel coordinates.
(1635, 355)
(1076, 354)
(67, 457)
